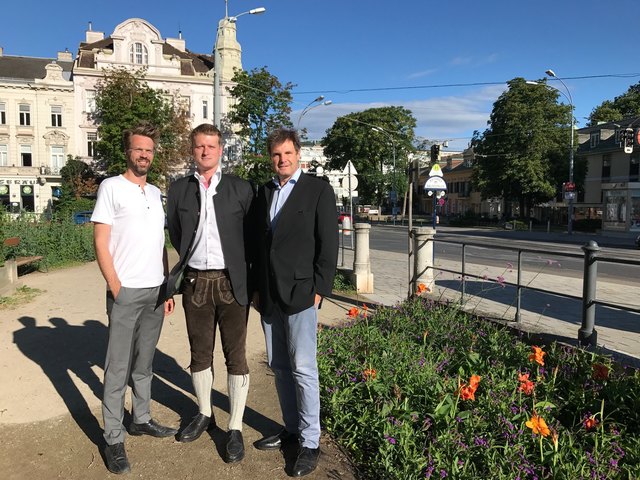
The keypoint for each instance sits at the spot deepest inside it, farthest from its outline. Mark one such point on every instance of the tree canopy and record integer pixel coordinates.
(123, 98)
(523, 155)
(623, 106)
(371, 139)
(261, 104)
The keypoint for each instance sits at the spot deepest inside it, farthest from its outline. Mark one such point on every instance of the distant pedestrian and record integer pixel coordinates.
(129, 242)
(207, 214)
(297, 229)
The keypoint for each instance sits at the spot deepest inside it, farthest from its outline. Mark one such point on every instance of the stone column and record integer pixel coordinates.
(423, 238)
(362, 277)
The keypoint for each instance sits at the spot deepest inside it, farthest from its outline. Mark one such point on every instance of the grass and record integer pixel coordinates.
(21, 296)
(425, 390)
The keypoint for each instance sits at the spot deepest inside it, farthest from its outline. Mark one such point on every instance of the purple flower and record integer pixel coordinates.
(390, 439)
(443, 473)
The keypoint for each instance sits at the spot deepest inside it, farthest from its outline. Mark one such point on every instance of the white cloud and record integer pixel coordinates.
(424, 73)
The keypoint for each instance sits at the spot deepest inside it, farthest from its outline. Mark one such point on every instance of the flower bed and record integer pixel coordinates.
(427, 391)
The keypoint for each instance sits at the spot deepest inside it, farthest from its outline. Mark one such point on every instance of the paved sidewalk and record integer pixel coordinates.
(618, 331)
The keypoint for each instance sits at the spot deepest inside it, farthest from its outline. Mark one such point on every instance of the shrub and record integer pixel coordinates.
(427, 391)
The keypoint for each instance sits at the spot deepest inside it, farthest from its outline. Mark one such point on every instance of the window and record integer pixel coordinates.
(25, 114)
(90, 101)
(57, 159)
(56, 116)
(205, 109)
(92, 140)
(138, 54)
(25, 155)
(595, 139)
(26, 192)
(4, 155)
(3, 114)
(606, 167)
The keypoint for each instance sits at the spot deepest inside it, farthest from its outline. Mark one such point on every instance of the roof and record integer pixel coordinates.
(30, 68)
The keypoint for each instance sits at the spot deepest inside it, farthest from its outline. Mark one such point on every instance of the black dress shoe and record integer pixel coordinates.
(116, 458)
(307, 461)
(198, 425)
(151, 428)
(234, 451)
(274, 442)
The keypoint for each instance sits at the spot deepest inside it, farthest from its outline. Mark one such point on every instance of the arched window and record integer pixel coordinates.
(138, 54)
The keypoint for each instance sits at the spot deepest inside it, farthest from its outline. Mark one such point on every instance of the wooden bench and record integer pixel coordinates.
(20, 261)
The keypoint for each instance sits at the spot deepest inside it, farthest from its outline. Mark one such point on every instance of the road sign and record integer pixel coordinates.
(435, 183)
(569, 195)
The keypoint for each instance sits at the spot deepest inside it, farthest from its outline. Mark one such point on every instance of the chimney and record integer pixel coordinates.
(92, 36)
(178, 43)
(65, 56)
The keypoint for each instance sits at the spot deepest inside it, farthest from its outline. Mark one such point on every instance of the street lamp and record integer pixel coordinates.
(310, 107)
(568, 96)
(217, 86)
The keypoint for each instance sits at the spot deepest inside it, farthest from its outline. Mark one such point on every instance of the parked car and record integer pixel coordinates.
(80, 218)
(342, 216)
(638, 241)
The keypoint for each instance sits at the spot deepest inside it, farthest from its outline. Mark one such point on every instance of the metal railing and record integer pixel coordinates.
(587, 334)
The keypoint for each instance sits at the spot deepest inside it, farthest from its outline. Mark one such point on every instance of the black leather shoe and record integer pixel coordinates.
(307, 461)
(198, 425)
(116, 458)
(274, 442)
(234, 452)
(151, 428)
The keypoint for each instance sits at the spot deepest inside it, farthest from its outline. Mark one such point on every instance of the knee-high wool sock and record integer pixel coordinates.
(238, 387)
(202, 383)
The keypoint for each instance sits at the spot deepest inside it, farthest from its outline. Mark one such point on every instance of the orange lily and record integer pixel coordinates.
(537, 356)
(369, 374)
(590, 423)
(353, 312)
(422, 288)
(600, 372)
(538, 425)
(526, 385)
(467, 392)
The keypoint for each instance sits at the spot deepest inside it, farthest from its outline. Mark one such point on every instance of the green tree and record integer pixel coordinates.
(523, 155)
(123, 98)
(77, 189)
(262, 103)
(371, 139)
(623, 106)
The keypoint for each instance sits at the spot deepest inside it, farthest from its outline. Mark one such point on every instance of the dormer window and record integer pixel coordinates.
(595, 139)
(138, 54)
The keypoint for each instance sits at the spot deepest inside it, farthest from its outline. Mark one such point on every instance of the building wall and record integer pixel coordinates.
(30, 187)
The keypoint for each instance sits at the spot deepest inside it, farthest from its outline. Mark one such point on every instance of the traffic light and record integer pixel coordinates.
(435, 152)
(628, 140)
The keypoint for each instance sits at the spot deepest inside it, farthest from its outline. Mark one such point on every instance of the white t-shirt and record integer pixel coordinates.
(136, 217)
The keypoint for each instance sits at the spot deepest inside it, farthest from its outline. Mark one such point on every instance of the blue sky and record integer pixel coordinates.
(363, 54)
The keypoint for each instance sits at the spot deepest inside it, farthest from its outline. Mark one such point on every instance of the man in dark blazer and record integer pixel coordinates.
(207, 215)
(297, 230)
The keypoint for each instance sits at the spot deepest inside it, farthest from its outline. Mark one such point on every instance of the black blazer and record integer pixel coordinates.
(232, 202)
(299, 259)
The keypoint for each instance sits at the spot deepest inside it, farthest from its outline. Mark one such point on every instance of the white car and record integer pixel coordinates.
(373, 211)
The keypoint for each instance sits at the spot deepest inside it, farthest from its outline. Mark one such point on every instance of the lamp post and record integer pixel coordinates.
(217, 85)
(568, 96)
(310, 107)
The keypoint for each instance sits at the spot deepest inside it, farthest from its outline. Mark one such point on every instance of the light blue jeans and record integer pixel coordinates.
(291, 352)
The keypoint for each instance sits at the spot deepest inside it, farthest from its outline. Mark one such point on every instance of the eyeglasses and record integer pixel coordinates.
(140, 151)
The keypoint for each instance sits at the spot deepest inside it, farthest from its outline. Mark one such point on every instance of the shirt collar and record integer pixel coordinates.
(215, 178)
(294, 178)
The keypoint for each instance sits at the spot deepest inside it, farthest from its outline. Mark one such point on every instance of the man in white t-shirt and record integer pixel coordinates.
(129, 241)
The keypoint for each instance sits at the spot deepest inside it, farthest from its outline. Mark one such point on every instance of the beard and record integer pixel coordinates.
(139, 168)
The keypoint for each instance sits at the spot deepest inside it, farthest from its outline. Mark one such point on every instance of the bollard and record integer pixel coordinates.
(587, 335)
(423, 258)
(362, 277)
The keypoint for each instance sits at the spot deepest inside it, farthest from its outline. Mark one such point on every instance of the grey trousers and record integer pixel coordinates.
(134, 329)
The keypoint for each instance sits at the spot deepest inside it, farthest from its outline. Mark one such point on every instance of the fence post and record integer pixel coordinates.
(362, 277)
(423, 257)
(587, 335)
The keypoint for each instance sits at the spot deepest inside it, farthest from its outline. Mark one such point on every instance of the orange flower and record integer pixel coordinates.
(590, 423)
(422, 288)
(538, 425)
(353, 312)
(537, 356)
(365, 309)
(369, 374)
(467, 392)
(600, 372)
(526, 385)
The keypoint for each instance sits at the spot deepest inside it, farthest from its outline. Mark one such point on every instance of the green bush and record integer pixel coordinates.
(425, 390)
(59, 241)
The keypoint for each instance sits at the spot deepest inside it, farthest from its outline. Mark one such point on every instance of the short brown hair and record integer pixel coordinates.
(205, 129)
(144, 129)
(281, 135)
